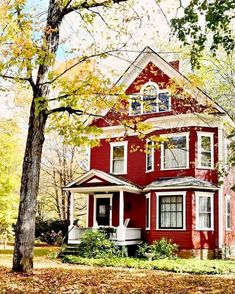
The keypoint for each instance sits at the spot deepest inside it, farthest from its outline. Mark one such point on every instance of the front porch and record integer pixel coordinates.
(112, 203)
(121, 236)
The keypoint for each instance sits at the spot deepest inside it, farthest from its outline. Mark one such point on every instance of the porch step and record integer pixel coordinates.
(70, 250)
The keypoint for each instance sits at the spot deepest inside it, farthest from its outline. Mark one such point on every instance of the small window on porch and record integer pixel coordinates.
(118, 160)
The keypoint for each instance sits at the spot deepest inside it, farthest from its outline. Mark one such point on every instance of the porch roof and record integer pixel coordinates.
(100, 181)
(180, 182)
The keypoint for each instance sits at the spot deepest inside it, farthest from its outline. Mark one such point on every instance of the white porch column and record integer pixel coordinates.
(121, 208)
(121, 228)
(71, 209)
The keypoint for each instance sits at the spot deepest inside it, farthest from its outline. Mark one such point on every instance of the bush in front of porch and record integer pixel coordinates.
(96, 244)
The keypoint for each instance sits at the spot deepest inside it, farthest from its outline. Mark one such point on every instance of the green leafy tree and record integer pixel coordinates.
(10, 160)
(205, 24)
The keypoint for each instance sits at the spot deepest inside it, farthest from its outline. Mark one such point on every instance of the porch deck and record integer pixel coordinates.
(122, 236)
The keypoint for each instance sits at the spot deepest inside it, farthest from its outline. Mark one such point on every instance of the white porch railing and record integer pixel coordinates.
(122, 235)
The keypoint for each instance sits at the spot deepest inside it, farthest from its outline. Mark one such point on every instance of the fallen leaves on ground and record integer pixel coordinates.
(111, 280)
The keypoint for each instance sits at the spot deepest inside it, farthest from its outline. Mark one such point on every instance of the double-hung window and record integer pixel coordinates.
(171, 210)
(149, 156)
(205, 150)
(118, 157)
(175, 152)
(204, 211)
(228, 213)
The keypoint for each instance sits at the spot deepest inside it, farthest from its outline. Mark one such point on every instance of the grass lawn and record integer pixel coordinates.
(53, 276)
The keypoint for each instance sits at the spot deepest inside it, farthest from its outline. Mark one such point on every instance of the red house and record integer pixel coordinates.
(165, 182)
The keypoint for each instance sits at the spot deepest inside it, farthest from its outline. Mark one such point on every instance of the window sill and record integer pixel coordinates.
(149, 171)
(167, 169)
(171, 230)
(205, 167)
(200, 230)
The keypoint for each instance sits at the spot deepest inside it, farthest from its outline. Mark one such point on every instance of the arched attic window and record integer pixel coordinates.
(150, 100)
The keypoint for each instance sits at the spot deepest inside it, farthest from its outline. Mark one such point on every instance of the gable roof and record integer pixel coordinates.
(149, 55)
(95, 176)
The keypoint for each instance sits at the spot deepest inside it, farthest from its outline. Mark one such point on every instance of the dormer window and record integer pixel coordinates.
(150, 100)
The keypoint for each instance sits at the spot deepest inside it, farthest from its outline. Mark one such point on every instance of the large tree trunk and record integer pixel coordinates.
(25, 227)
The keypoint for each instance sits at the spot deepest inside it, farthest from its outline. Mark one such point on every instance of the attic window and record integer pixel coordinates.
(150, 100)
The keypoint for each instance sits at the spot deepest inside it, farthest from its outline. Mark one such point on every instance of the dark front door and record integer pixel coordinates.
(103, 211)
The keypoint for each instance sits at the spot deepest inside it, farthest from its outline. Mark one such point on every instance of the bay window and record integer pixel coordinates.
(175, 152)
(204, 211)
(205, 150)
(118, 157)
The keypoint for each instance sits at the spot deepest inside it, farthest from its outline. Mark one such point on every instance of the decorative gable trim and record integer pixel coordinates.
(149, 55)
(94, 180)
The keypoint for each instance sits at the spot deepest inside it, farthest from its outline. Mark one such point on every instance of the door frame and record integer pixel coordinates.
(96, 196)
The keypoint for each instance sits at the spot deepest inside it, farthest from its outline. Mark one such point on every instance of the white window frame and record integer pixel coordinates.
(110, 196)
(172, 193)
(151, 151)
(184, 134)
(115, 144)
(211, 196)
(199, 149)
(148, 196)
(227, 198)
(162, 91)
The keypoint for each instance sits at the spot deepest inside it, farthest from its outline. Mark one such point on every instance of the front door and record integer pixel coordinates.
(103, 211)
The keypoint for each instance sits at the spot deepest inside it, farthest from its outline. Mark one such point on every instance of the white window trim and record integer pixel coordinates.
(183, 193)
(151, 150)
(159, 91)
(227, 198)
(186, 134)
(110, 196)
(148, 196)
(204, 194)
(199, 140)
(120, 143)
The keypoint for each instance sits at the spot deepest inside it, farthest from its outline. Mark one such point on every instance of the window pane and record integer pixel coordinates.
(175, 152)
(205, 209)
(149, 156)
(150, 99)
(163, 101)
(206, 155)
(171, 212)
(135, 105)
(118, 159)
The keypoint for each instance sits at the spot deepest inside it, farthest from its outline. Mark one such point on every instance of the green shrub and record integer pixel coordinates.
(95, 244)
(162, 248)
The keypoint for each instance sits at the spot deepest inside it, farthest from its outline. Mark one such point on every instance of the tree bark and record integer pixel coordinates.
(25, 227)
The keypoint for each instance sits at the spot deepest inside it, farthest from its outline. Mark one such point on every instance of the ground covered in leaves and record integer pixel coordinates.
(52, 276)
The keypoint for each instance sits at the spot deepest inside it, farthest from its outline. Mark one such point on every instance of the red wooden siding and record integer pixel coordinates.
(100, 158)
